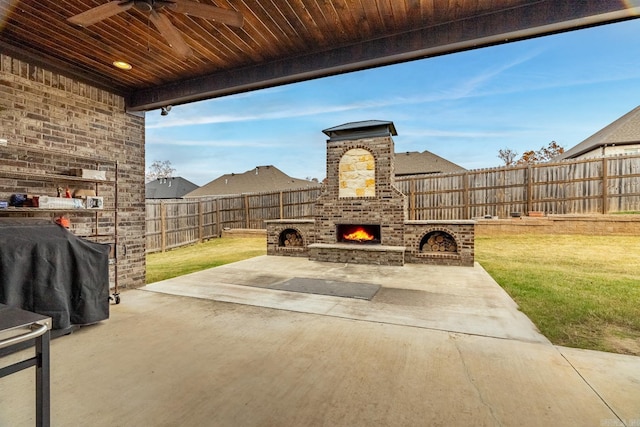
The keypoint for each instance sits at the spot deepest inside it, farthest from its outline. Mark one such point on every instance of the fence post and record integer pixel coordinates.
(281, 206)
(412, 199)
(605, 186)
(200, 222)
(246, 211)
(163, 227)
(465, 195)
(529, 186)
(218, 228)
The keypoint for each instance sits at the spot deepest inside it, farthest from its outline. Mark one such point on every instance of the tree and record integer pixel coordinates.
(544, 154)
(508, 156)
(531, 157)
(550, 151)
(159, 169)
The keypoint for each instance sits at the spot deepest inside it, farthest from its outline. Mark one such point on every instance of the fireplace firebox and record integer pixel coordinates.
(358, 233)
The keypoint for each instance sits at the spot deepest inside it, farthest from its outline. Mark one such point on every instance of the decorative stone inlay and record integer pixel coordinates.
(357, 174)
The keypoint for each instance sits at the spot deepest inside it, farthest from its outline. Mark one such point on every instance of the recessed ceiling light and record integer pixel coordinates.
(122, 65)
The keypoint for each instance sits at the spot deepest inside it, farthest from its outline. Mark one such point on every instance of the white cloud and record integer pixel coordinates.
(235, 143)
(459, 134)
(465, 88)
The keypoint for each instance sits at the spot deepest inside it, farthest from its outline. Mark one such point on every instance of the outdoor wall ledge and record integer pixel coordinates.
(516, 222)
(596, 217)
(289, 221)
(243, 232)
(437, 255)
(291, 248)
(354, 246)
(440, 222)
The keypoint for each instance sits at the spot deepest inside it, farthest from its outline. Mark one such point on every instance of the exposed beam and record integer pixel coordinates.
(534, 19)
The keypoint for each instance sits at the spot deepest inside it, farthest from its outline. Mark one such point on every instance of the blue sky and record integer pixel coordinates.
(463, 107)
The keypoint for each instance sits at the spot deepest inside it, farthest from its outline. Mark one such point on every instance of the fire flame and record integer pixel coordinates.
(359, 235)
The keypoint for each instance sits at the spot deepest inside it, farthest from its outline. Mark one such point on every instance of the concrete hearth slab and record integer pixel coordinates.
(167, 360)
(455, 299)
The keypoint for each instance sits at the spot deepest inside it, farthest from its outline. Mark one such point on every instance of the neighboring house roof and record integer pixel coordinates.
(257, 180)
(168, 188)
(625, 130)
(414, 163)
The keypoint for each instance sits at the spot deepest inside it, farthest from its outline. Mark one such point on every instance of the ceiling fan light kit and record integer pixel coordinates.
(155, 10)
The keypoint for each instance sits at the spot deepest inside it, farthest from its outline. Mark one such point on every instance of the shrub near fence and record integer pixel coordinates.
(590, 186)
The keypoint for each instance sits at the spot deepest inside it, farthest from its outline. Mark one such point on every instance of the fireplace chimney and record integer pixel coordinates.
(360, 184)
(361, 216)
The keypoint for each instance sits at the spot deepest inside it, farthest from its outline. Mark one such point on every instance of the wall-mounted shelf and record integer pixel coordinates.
(13, 209)
(53, 177)
(29, 170)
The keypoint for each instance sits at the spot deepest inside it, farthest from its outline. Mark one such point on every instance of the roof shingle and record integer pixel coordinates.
(625, 130)
(257, 180)
(415, 163)
(168, 188)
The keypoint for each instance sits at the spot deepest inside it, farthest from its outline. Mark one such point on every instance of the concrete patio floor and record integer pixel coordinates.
(436, 346)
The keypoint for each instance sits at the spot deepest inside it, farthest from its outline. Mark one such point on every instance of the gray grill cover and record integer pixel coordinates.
(46, 269)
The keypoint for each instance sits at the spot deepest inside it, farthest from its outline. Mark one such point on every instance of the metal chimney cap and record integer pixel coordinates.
(363, 129)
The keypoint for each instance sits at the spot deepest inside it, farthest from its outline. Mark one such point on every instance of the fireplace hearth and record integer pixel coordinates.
(362, 217)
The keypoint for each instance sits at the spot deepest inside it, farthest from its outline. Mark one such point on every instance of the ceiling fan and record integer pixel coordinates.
(159, 20)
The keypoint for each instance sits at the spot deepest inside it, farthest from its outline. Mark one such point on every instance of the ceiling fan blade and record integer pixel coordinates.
(99, 13)
(170, 34)
(200, 10)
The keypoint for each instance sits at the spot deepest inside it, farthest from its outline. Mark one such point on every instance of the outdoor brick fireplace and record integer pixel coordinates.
(361, 217)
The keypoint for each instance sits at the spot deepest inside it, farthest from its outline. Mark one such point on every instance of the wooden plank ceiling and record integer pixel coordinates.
(280, 41)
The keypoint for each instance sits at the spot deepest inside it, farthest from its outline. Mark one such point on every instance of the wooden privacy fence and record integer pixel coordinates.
(175, 223)
(603, 185)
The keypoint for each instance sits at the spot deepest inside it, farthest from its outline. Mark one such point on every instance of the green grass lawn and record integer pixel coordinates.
(213, 253)
(580, 291)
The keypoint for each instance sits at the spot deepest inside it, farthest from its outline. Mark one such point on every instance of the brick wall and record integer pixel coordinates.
(277, 229)
(387, 208)
(463, 232)
(47, 113)
(597, 225)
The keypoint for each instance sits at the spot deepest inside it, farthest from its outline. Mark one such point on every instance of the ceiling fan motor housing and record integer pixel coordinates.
(143, 5)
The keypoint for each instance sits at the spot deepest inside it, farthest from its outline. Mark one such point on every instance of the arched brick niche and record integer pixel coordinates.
(290, 236)
(440, 242)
